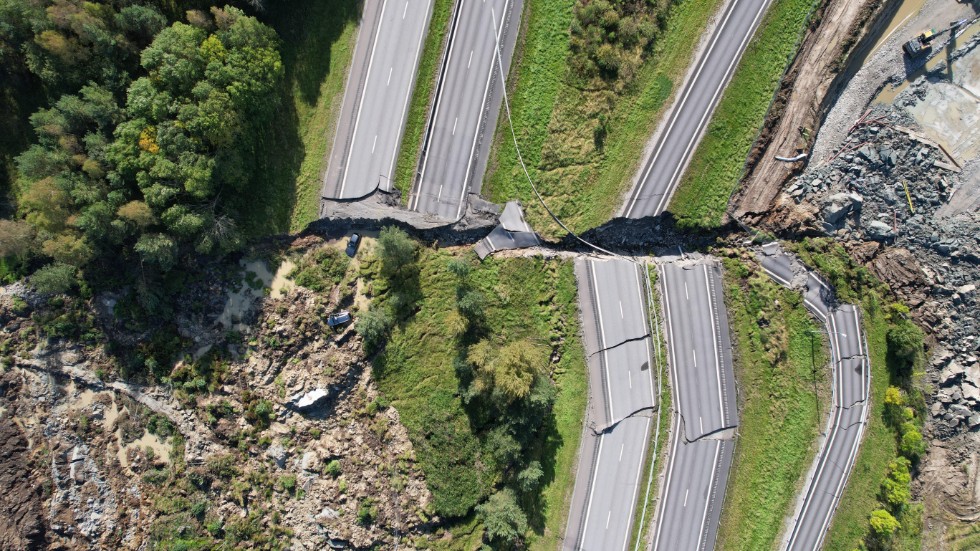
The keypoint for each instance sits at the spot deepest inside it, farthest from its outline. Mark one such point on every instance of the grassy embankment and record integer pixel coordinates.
(527, 299)
(781, 368)
(317, 45)
(854, 284)
(582, 181)
(647, 501)
(719, 161)
(418, 110)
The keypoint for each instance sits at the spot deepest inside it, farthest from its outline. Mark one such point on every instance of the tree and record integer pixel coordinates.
(373, 327)
(396, 250)
(883, 526)
(507, 372)
(911, 444)
(529, 479)
(895, 489)
(904, 340)
(16, 238)
(503, 519)
(53, 279)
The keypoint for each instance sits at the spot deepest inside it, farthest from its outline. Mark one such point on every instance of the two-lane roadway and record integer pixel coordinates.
(376, 98)
(703, 386)
(612, 297)
(675, 143)
(466, 105)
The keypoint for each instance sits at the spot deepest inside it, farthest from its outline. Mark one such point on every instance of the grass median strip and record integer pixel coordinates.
(719, 161)
(425, 84)
(781, 368)
(582, 147)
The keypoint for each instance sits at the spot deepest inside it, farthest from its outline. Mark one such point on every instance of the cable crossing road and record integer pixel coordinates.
(703, 385)
(467, 103)
(848, 416)
(675, 143)
(376, 97)
(613, 300)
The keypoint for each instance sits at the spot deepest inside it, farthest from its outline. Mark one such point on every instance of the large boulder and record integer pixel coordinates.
(839, 205)
(308, 401)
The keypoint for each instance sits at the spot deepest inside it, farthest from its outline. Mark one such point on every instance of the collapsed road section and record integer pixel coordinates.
(849, 415)
(703, 386)
(622, 404)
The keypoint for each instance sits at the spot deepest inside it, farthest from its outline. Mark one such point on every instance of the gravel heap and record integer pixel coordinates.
(860, 198)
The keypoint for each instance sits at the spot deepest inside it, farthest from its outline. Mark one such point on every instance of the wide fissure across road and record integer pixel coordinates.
(466, 106)
(676, 141)
(376, 98)
(620, 418)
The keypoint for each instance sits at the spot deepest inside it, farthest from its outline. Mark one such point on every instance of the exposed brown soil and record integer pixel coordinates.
(807, 91)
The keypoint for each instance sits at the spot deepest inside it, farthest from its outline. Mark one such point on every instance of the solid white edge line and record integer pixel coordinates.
(707, 501)
(435, 116)
(712, 105)
(602, 343)
(636, 485)
(714, 345)
(360, 105)
(483, 104)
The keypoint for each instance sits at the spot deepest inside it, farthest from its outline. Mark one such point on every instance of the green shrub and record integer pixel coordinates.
(54, 279)
(373, 327)
(333, 468)
(322, 269)
(895, 490)
(367, 512)
(503, 519)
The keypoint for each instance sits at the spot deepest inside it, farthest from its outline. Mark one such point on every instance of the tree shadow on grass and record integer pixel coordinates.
(307, 30)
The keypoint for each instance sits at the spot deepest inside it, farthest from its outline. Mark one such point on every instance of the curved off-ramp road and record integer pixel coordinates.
(703, 386)
(376, 98)
(679, 134)
(613, 300)
(848, 416)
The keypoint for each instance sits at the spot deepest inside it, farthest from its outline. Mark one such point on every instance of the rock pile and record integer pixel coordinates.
(886, 195)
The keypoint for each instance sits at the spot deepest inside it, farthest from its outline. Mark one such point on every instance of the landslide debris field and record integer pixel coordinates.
(449, 414)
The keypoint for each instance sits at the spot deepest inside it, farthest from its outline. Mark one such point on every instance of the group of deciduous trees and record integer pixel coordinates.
(152, 128)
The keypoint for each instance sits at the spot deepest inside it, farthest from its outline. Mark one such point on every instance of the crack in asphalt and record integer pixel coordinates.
(710, 435)
(621, 343)
(611, 426)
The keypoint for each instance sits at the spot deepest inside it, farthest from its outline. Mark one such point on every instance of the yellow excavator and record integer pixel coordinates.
(923, 43)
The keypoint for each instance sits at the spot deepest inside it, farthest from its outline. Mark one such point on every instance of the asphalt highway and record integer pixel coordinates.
(702, 382)
(849, 413)
(612, 297)
(466, 105)
(376, 97)
(676, 142)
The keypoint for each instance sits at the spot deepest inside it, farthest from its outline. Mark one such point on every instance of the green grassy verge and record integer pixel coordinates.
(317, 45)
(654, 463)
(781, 368)
(418, 111)
(856, 285)
(555, 122)
(718, 162)
(526, 299)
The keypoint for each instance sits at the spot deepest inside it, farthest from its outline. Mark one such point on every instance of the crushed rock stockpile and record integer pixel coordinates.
(906, 207)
